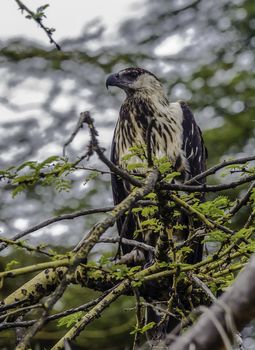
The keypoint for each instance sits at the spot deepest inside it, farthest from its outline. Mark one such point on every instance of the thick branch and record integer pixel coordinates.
(92, 314)
(97, 310)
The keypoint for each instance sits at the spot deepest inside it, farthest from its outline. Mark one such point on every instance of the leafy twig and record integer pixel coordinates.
(79, 126)
(37, 17)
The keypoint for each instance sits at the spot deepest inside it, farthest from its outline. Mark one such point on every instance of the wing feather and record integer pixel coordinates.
(120, 192)
(193, 144)
(196, 155)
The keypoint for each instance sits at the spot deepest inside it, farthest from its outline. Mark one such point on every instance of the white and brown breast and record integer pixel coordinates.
(174, 134)
(166, 133)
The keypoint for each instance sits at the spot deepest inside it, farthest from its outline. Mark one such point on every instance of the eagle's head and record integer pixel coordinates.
(132, 80)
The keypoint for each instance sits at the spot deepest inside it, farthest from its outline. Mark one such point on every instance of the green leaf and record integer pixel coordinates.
(49, 161)
(11, 265)
(136, 210)
(92, 176)
(17, 190)
(69, 320)
(165, 167)
(148, 326)
(243, 233)
(149, 211)
(215, 236)
(171, 176)
(144, 328)
(29, 164)
(134, 166)
(151, 196)
(104, 260)
(42, 8)
(136, 284)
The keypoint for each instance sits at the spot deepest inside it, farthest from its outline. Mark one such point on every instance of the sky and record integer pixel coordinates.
(67, 17)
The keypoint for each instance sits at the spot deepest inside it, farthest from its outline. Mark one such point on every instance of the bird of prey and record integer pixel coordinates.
(174, 134)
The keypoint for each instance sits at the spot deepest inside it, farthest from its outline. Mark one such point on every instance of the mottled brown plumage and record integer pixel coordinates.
(175, 134)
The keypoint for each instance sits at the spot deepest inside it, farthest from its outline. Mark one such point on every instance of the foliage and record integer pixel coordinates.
(232, 247)
(214, 72)
(70, 320)
(51, 172)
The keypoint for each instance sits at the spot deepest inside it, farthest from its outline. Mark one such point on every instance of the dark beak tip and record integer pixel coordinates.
(111, 81)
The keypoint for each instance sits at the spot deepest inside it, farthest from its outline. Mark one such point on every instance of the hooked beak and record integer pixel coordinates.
(112, 80)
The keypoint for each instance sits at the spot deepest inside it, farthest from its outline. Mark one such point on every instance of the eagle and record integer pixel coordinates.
(175, 135)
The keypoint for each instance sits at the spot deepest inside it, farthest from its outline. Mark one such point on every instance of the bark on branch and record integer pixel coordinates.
(232, 311)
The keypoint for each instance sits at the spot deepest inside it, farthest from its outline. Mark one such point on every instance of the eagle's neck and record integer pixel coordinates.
(143, 105)
(148, 96)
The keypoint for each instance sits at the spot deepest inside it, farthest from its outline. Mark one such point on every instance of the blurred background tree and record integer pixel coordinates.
(203, 51)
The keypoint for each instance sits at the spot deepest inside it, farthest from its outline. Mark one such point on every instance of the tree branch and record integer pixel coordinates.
(205, 188)
(38, 20)
(56, 219)
(217, 167)
(99, 151)
(237, 303)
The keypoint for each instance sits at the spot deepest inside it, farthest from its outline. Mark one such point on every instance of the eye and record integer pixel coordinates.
(133, 74)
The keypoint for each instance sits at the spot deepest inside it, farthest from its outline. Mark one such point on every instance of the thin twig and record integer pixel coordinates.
(78, 126)
(18, 311)
(38, 20)
(139, 320)
(217, 167)
(204, 287)
(102, 172)
(250, 220)
(25, 246)
(99, 151)
(130, 242)
(48, 305)
(242, 202)
(56, 219)
(205, 188)
(54, 317)
(158, 308)
(4, 308)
